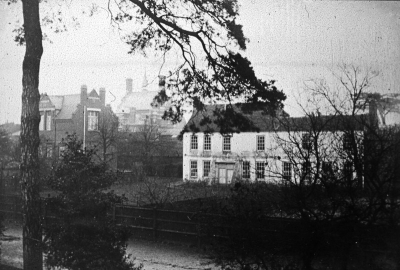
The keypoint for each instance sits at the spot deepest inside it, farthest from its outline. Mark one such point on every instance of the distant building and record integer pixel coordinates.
(136, 111)
(153, 143)
(67, 114)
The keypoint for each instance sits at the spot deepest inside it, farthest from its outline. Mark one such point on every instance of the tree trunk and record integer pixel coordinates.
(30, 117)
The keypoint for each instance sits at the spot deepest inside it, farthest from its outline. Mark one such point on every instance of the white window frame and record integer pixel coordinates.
(48, 120)
(246, 170)
(207, 142)
(93, 119)
(226, 144)
(61, 150)
(193, 169)
(49, 150)
(194, 145)
(42, 121)
(286, 171)
(45, 120)
(260, 143)
(206, 168)
(260, 170)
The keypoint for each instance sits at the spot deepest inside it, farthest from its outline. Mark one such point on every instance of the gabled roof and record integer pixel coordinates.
(93, 94)
(57, 101)
(66, 104)
(216, 118)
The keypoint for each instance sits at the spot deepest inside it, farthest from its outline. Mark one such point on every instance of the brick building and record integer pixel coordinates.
(67, 114)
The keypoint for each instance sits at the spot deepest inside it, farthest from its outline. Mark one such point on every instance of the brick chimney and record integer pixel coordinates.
(129, 86)
(161, 80)
(83, 94)
(103, 95)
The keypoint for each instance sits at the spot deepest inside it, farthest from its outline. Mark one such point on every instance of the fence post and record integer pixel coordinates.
(155, 224)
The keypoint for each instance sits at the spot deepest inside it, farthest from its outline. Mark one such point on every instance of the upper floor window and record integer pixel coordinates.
(207, 142)
(347, 141)
(287, 171)
(93, 120)
(193, 142)
(260, 170)
(206, 168)
(226, 146)
(260, 143)
(45, 120)
(306, 142)
(193, 168)
(246, 169)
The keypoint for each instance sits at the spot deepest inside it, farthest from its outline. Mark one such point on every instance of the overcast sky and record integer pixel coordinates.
(290, 41)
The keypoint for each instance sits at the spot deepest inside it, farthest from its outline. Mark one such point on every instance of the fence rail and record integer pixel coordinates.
(148, 223)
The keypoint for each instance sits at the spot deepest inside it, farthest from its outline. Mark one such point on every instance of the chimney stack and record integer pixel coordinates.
(103, 95)
(161, 80)
(129, 86)
(83, 94)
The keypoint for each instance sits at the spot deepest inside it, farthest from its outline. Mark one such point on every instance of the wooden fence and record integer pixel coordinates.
(159, 225)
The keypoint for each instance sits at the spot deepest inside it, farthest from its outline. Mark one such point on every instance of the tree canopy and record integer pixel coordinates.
(218, 72)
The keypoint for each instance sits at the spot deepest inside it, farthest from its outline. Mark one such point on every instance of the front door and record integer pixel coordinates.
(225, 173)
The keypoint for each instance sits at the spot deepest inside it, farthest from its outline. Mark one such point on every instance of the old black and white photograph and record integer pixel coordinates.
(199, 135)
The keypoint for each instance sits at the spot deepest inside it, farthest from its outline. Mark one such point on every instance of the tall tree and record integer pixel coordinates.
(340, 171)
(217, 72)
(30, 118)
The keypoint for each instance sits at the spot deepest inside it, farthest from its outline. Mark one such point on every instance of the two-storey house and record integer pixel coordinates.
(278, 148)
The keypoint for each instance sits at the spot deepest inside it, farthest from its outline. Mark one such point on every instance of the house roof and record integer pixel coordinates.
(66, 104)
(216, 118)
(138, 100)
(57, 101)
(94, 94)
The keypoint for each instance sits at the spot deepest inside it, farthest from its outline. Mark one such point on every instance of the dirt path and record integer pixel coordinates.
(154, 256)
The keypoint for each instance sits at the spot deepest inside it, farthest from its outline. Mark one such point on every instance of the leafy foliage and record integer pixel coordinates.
(82, 235)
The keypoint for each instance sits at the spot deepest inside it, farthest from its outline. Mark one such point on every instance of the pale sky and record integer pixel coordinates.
(290, 41)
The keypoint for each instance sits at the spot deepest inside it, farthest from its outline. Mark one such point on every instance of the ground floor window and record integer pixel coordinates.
(49, 151)
(260, 170)
(246, 169)
(193, 168)
(348, 171)
(206, 168)
(306, 172)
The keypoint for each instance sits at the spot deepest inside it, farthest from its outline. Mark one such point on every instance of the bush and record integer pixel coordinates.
(83, 235)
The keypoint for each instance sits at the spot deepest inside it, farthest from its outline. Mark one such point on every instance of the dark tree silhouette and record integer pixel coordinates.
(218, 72)
(82, 234)
(107, 137)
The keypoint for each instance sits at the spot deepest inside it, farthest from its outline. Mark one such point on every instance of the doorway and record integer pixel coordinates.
(225, 172)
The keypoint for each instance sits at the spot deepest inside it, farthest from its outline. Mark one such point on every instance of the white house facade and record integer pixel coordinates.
(272, 153)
